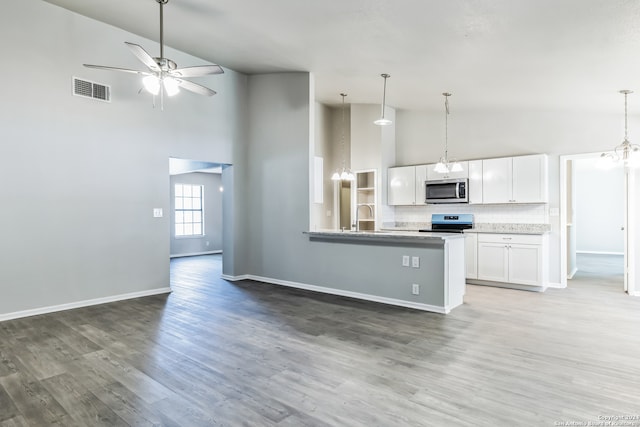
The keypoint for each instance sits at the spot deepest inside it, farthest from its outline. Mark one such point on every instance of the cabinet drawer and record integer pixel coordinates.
(525, 239)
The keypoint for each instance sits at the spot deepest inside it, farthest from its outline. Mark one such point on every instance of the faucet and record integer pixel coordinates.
(358, 209)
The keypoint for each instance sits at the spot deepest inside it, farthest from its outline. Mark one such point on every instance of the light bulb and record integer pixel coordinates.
(344, 176)
(456, 167)
(171, 86)
(441, 167)
(151, 84)
(335, 176)
(383, 122)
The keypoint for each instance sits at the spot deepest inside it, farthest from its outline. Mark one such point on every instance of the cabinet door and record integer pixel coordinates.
(496, 180)
(471, 255)
(432, 175)
(475, 181)
(421, 177)
(402, 186)
(530, 179)
(493, 263)
(525, 264)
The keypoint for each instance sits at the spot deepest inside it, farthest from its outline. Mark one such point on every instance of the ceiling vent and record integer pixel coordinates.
(89, 89)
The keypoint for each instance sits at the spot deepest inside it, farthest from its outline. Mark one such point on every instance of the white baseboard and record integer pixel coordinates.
(349, 294)
(635, 294)
(195, 254)
(507, 285)
(79, 304)
(600, 253)
(573, 273)
(235, 278)
(556, 285)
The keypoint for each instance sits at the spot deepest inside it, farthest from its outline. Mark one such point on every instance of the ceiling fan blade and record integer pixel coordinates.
(126, 70)
(143, 56)
(195, 88)
(197, 71)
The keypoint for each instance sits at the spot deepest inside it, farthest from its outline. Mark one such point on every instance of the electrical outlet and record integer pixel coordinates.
(415, 262)
(405, 260)
(415, 289)
(157, 212)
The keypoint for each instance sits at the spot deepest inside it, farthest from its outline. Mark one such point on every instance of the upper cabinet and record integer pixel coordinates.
(432, 175)
(521, 179)
(406, 185)
(475, 181)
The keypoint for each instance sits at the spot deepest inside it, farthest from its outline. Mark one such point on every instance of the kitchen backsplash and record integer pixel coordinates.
(509, 214)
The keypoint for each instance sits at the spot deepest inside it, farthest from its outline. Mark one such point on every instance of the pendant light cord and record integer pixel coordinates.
(446, 126)
(343, 95)
(625, 116)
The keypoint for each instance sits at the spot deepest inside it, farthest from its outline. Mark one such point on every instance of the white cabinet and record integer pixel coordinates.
(406, 185)
(521, 179)
(475, 181)
(471, 255)
(432, 175)
(512, 258)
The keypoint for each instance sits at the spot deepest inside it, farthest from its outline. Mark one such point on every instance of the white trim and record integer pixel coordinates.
(634, 294)
(85, 303)
(349, 294)
(570, 276)
(235, 278)
(558, 285)
(195, 254)
(599, 253)
(516, 286)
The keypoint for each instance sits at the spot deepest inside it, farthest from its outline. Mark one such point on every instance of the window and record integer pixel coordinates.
(188, 207)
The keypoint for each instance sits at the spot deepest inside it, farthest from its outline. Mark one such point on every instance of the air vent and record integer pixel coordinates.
(89, 89)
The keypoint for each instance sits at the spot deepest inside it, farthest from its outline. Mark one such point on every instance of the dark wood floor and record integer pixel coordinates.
(233, 354)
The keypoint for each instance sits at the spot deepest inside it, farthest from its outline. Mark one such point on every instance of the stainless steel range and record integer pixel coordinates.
(450, 223)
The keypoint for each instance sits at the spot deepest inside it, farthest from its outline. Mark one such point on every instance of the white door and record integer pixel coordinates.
(496, 180)
(525, 264)
(529, 179)
(493, 263)
(402, 181)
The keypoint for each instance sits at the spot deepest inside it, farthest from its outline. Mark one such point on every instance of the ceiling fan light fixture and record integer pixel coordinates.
(151, 84)
(171, 86)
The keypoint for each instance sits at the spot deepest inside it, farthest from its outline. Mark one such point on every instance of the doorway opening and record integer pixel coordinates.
(195, 207)
(594, 205)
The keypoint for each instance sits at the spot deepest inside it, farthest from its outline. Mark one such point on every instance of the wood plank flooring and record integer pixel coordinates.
(215, 353)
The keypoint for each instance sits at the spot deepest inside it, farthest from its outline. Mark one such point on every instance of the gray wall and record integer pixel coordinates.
(212, 240)
(85, 175)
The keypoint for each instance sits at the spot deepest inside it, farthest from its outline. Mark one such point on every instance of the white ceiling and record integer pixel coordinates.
(533, 54)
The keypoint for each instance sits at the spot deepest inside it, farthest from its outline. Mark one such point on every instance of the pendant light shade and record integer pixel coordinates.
(382, 121)
(444, 165)
(345, 173)
(626, 152)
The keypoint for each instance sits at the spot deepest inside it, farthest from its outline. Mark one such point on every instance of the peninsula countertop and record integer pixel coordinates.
(382, 235)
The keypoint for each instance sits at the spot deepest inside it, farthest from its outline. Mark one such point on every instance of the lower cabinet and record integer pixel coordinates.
(512, 258)
(471, 255)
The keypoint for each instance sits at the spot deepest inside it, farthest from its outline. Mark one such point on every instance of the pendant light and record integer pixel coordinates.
(343, 174)
(443, 165)
(626, 151)
(382, 121)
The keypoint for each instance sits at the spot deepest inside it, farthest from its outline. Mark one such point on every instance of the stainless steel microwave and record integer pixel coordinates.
(447, 191)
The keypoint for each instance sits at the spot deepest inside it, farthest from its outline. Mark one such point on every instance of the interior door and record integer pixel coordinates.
(625, 226)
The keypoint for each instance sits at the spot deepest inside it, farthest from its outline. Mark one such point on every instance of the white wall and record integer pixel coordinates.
(212, 197)
(599, 207)
(85, 175)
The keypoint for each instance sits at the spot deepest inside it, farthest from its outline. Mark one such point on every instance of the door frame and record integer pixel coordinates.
(629, 226)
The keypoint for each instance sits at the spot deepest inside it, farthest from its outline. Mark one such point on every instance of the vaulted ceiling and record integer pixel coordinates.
(530, 54)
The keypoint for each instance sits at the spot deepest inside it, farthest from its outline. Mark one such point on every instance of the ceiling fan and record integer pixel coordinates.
(163, 75)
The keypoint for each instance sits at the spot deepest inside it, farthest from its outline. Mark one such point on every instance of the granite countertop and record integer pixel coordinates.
(387, 235)
(510, 228)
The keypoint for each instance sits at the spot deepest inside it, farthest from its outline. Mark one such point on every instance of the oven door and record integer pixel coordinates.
(446, 191)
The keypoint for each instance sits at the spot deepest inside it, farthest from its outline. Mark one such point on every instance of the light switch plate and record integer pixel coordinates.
(415, 262)
(157, 212)
(405, 260)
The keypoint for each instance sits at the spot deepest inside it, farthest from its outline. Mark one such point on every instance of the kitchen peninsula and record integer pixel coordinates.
(425, 271)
